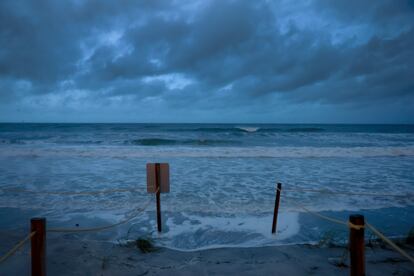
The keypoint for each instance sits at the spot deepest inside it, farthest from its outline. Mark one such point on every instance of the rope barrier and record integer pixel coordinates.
(140, 210)
(72, 193)
(337, 221)
(122, 190)
(358, 227)
(97, 229)
(334, 220)
(16, 247)
(389, 242)
(297, 189)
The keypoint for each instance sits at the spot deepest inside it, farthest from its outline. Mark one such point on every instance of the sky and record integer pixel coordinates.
(342, 61)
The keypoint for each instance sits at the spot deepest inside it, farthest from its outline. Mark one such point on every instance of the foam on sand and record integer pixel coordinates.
(199, 232)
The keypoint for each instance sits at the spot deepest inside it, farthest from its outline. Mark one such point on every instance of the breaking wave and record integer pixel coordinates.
(252, 129)
(169, 142)
(248, 129)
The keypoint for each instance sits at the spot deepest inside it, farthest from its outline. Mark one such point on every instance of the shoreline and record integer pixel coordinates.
(15, 224)
(68, 255)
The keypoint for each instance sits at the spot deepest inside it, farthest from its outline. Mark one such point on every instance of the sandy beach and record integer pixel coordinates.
(68, 255)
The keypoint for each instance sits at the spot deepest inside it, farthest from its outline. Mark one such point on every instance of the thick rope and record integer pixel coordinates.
(71, 193)
(334, 220)
(297, 189)
(359, 227)
(390, 243)
(96, 229)
(16, 247)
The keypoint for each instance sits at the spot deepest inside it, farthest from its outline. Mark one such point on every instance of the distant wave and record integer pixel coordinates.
(167, 142)
(241, 129)
(12, 142)
(253, 129)
(306, 129)
(216, 129)
(213, 151)
(85, 142)
(151, 142)
(46, 141)
(248, 129)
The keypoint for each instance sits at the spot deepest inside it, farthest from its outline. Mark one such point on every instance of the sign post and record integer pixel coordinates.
(158, 194)
(158, 181)
(276, 210)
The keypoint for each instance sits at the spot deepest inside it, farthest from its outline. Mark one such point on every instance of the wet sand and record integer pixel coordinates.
(70, 255)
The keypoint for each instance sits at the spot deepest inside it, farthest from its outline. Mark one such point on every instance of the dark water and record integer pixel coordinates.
(222, 177)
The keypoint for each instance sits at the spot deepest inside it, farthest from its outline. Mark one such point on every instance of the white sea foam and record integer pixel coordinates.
(222, 179)
(205, 232)
(150, 152)
(249, 129)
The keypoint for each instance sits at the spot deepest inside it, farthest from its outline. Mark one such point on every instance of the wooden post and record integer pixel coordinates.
(276, 210)
(158, 194)
(38, 246)
(357, 246)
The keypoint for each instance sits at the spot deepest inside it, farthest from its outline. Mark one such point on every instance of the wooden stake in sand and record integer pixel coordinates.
(38, 244)
(357, 245)
(158, 181)
(276, 210)
(158, 195)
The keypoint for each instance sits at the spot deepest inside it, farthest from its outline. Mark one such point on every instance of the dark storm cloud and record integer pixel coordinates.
(229, 53)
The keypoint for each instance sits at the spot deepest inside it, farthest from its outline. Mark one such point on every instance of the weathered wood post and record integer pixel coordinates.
(38, 246)
(158, 181)
(357, 245)
(158, 194)
(276, 210)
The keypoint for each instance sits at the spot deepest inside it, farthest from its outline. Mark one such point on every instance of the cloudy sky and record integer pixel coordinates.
(207, 61)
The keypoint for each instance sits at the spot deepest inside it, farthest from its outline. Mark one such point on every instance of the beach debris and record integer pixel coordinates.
(104, 262)
(329, 239)
(338, 262)
(145, 245)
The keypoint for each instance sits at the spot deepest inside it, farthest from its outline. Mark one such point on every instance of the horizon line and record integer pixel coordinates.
(207, 123)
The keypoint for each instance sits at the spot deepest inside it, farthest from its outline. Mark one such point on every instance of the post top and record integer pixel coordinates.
(357, 219)
(38, 219)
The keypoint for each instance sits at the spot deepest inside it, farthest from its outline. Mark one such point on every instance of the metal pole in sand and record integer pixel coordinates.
(276, 210)
(357, 245)
(158, 194)
(38, 246)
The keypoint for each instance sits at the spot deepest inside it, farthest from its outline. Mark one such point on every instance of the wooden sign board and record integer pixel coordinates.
(164, 177)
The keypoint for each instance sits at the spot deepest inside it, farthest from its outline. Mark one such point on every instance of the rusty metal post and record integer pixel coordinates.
(276, 210)
(357, 246)
(38, 246)
(158, 194)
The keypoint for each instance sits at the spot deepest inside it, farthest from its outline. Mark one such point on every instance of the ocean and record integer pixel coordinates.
(223, 179)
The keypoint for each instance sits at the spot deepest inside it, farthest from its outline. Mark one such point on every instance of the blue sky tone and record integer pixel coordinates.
(207, 61)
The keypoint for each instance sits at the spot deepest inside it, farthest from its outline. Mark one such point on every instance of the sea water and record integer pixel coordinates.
(223, 179)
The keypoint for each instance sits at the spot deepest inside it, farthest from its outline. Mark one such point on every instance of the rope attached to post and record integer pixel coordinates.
(359, 227)
(298, 189)
(123, 190)
(17, 247)
(389, 242)
(334, 220)
(96, 229)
